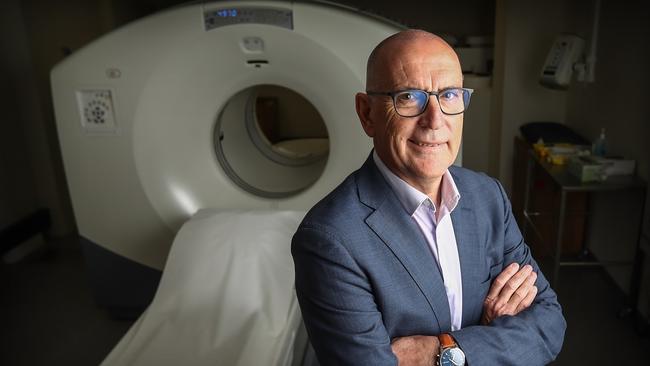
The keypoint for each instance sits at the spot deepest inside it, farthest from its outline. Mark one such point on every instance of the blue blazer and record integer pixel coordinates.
(365, 275)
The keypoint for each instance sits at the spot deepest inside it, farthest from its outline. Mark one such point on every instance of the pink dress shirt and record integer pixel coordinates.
(436, 225)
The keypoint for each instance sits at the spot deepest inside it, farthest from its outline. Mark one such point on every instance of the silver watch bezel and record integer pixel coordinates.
(451, 350)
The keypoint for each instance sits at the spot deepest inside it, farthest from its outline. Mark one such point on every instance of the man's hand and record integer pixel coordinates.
(511, 292)
(416, 350)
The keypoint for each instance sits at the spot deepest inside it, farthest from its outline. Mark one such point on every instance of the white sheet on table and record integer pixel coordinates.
(226, 296)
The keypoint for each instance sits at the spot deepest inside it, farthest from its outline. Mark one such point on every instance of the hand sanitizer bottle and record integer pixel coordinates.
(599, 147)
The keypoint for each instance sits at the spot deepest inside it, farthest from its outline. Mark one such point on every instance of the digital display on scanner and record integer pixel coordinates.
(226, 13)
(215, 18)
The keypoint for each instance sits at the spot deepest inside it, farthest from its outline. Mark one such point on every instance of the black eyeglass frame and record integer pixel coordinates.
(467, 95)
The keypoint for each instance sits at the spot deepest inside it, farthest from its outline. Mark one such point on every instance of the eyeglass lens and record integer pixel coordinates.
(411, 103)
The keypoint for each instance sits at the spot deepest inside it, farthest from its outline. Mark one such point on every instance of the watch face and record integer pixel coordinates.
(452, 357)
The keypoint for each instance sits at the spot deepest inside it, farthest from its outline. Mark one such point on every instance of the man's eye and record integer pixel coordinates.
(406, 97)
(450, 94)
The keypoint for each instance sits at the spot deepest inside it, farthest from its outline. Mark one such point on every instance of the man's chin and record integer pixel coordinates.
(433, 169)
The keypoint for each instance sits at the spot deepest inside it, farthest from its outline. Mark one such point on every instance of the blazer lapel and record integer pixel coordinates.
(403, 237)
(469, 252)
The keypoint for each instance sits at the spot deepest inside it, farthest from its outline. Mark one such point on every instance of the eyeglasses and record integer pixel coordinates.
(413, 102)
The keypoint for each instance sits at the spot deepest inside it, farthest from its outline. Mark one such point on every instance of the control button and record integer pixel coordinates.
(252, 44)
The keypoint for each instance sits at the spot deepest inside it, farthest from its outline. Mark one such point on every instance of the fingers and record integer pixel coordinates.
(501, 280)
(517, 299)
(511, 292)
(516, 288)
(528, 300)
(485, 318)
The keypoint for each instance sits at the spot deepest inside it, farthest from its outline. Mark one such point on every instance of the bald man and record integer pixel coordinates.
(412, 260)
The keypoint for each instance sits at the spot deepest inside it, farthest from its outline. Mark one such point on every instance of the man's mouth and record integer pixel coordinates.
(427, 144)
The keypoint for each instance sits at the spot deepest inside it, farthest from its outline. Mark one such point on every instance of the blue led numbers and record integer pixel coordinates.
(227, 13)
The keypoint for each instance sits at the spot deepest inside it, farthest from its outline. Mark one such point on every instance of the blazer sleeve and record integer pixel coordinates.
(532, 337)
(342, 319)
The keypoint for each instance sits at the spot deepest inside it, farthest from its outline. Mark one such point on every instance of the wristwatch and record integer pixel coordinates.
(450, 354)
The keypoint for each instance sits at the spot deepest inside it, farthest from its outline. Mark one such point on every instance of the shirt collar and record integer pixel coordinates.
(411, 198)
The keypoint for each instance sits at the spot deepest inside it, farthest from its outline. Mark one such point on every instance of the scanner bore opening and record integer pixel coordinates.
(271, 141)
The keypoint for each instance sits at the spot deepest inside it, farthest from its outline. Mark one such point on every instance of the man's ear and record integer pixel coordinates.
(362, 103)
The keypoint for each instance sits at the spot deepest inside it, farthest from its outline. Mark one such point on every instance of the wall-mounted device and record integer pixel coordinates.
(561, 61)
(568, 54)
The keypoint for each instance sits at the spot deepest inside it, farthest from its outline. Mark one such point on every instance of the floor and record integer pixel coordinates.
(47, 316)
(596, 334)
(47, 313)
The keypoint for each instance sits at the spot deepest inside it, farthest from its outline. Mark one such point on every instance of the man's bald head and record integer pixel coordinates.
(381, 58)
(418, 148)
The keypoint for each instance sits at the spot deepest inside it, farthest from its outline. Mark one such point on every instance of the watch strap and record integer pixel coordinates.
(446, 341)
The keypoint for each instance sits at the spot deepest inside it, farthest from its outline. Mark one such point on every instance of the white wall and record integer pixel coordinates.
(529, 28)
(618, 99)
(476, 125)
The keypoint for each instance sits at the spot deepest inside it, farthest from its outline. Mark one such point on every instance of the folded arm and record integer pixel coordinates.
(511, 292)
(534, 336)
(522, 321)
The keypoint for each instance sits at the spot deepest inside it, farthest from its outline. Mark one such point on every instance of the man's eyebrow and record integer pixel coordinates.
(416, 88)
(450, 87)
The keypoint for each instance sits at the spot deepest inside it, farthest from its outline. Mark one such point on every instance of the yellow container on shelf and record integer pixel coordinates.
(557, 159)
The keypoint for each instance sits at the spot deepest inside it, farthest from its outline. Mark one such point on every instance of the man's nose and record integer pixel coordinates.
(432, 117)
